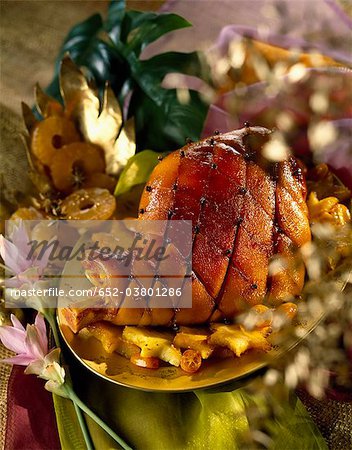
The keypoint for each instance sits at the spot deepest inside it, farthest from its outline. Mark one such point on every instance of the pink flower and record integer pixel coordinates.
(30, 344)
(15, 252)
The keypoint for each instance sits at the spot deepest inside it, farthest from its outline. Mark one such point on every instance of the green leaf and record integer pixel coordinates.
(86, 49)
(131, 21)
(89, 45)
(137, 171)
(149, 74)
(82, 38)
(160, 65)
(167, 124)
(152, 28)
(114, 19)
(110, 52)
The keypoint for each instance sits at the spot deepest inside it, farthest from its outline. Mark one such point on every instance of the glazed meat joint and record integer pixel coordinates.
(244, 209)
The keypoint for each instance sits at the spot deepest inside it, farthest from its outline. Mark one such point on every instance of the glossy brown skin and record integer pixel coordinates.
(243, 210)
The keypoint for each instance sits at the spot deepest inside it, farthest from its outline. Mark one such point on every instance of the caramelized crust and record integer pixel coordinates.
(244, 210)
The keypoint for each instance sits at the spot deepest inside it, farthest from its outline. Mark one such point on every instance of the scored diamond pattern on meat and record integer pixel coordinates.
(244, 211)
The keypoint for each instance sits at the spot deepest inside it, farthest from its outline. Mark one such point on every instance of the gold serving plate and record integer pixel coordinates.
(214, 372)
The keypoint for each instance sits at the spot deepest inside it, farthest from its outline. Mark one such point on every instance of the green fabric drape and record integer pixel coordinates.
(189, 421)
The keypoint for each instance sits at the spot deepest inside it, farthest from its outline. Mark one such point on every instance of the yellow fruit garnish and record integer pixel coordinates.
(111, 339)
(147, 362)
(191, 361)
(237, 339)
(50, 135)
(194, 339)
(288, 310)
(327, 210)
(153, 343)
(101, 180)
(89, 204)
(262, 316)
(74, 163)
(340, 214)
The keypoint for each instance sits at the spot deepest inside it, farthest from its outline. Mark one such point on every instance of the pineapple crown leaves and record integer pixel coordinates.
(110, 49)
(100, 122)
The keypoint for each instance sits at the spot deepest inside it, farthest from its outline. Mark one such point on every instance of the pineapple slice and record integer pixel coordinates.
(194, 339)
(153, 343)
(111, 339)
(237, 339)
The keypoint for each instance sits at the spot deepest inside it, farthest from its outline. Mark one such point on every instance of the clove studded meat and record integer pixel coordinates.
(244, 210)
